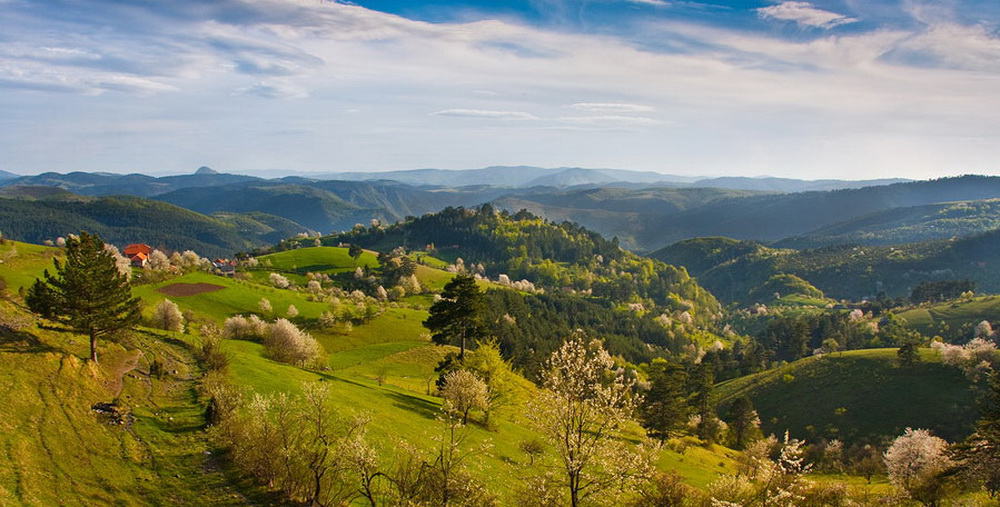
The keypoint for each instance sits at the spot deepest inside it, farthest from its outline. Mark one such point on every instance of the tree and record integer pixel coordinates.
(908, 354)
(744, 424)
(158, 261)
(355, 252)
(979, 456)
(287, 343)
(488, 364)
(458, 315)
(168, 316)
(87, 293)
(665, 409)
(583, 404)
(463, 391)
(292, 312)
(264, 305)
(916, 462)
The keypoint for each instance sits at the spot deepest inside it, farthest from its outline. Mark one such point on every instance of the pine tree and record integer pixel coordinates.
(743, 422)
(87, 292)
(458, 316)
(665, 409)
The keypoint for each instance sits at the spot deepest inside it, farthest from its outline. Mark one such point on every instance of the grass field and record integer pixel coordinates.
(955, 314)
(858, 394)
(54, 450)
(22, 263)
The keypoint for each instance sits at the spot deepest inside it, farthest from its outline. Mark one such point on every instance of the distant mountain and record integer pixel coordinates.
(326, 205)
(733, 269)
(121, 220)
(776, 216)
(4, 175)
(906, 225)
(206, 170)
(40, 193)
(124, 184)
(511, 176)
(615, 211)
(768, 184)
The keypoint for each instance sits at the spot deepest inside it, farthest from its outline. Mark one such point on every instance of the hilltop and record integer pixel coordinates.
(858, 396)
(734, 268)
(121, 220)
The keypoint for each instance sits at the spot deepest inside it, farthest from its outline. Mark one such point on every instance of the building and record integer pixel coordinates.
(138, 253)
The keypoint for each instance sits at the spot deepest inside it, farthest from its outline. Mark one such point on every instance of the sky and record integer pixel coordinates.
(846, 89)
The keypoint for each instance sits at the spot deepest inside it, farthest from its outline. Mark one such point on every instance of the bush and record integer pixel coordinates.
(167, 316)
(212, 356)
(288, 344)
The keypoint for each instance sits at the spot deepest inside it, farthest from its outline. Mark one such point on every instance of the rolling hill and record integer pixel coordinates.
(858, 396)
(122, 220)
(905, 225)
(731, 269)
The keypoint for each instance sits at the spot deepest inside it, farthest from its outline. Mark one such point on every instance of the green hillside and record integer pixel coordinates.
(842, 271)
(906, 225)
(860, 395)
(57, 450)
(953, 319)
(123, 220)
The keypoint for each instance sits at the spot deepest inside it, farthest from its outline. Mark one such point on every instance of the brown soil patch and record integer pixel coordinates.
(189, 289)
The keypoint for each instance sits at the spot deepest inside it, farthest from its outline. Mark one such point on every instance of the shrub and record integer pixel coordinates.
(288, 344)
(168, 316)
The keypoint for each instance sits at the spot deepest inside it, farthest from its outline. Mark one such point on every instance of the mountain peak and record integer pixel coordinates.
(206, 170)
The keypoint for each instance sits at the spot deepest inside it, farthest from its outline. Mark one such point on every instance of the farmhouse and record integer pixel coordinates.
(138, 253)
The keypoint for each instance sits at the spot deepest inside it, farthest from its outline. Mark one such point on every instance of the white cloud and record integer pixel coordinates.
(610, 107)
(805, 14)
(929, 91)
(611, 119)
(482, 113)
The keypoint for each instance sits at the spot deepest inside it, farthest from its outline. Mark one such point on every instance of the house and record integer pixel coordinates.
(225, 267)
(139, 259)
(138, 253)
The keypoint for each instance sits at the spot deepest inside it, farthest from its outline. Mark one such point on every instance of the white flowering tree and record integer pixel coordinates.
(168, 316)
(583, 403)
(915, 462)
(463, 392)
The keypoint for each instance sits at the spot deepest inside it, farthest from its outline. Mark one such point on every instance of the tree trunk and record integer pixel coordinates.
(93, 346)
(461, 352)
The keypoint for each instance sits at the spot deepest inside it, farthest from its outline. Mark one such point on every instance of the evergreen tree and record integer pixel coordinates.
(458, 316)
(87, 292)
(744, 422)
(665, 408)
(979, 455)
(702, 380)
(355, 252)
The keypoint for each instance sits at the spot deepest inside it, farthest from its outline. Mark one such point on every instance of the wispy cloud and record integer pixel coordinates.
(805, 14)
(916, 96)
(482, 113)
(610, 107)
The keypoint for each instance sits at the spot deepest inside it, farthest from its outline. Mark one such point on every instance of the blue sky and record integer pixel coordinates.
(823, 89)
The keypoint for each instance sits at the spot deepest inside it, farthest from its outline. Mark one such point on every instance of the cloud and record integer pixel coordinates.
(660, 3)
(482, 113)
(926, 90)
(271, 90)
(611, 119)
(804, 14)
(608, 107)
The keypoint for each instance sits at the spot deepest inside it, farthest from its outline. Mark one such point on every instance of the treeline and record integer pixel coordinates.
(120, 220)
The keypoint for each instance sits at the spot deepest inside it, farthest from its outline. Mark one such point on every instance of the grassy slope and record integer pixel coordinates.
(22, 263)
(55, 450)
(927, 319)
(163, 458)
(878, 396)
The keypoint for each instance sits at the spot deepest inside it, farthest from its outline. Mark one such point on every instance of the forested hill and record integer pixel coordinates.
(121, 220)
(555, 256)
(733, 269)
(773, 217)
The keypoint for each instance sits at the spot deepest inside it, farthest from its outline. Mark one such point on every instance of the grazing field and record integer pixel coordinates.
(188, 289)
(56, 450)
(953, 314)
(858, 395)
(22, 263)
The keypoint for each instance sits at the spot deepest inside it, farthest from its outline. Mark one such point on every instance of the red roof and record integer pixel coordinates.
(139, 256)
(136, 248)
